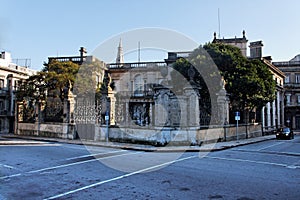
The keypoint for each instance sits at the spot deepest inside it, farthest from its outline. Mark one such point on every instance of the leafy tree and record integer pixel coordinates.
(90, 80)
(60, 76)
(249, 82)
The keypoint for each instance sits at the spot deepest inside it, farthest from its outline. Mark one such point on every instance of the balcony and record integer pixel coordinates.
(3, 112)
(292, 85)
(135, 65)
(292, 104)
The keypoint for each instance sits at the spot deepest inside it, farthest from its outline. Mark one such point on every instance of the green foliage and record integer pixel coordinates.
(89, 79)
(57, 78)
(249, 82)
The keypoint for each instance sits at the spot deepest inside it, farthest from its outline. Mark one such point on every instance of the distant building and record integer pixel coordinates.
(241, 43)
(10, 76)
(75, 59)
(272, 115)
(292, 91)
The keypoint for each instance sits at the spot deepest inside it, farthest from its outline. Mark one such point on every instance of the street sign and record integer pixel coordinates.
(237, 116)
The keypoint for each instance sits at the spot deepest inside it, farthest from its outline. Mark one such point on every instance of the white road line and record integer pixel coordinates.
(95, 154)
(253, 161)
(119, 177)
(7, 166)
(269, 146)
(66, 165)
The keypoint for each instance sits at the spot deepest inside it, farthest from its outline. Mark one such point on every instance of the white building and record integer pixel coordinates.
(10, 76)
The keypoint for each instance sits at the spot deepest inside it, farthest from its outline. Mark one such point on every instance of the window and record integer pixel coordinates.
(297, 78)
(287, 78)
(288, 99)
(138, 85)
(1, 83)
(298, 99)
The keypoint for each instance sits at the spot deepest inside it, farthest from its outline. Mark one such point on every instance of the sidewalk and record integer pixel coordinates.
(10, 139)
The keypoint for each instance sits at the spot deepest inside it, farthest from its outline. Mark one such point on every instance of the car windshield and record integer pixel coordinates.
(286, 129)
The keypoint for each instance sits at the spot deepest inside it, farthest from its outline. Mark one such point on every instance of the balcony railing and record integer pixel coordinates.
(292, 104)
(135, 65)
(287, 63)
(74, 59)
(292, 85)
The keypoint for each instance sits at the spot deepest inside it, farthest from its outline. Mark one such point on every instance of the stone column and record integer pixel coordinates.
(223, 107)
(150, 115)
(278, 109)
(127, 118)
(273, 114)
(112, 111)
(282, 109)
(192, 104)
(268, 115)
(161, 108)
(263, 120)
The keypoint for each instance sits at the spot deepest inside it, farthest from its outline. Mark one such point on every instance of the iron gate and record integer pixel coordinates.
(87, 114)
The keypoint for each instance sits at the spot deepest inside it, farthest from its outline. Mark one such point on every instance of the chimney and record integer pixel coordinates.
(83, 52)
(256, 49)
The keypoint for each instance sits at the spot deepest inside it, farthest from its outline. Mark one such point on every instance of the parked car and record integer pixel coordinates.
(284, 133)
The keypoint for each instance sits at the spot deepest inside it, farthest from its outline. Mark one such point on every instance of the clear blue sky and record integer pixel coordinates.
(37, 29)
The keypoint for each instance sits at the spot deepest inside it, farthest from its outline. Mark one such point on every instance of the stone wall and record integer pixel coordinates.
(153, 136)
(53, 130)
(182, 136)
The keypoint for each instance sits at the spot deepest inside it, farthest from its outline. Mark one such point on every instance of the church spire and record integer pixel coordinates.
(120, 56)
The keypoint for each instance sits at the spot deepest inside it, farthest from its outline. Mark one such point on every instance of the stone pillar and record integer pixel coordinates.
(184, 110)
(278, 109)
(282, 109)
(263, 120)
(268, 115)
(274, 114)
(192, 107)
(223, 107)
(127, 118)
(112, 111)
(150, 115)
(161, 99)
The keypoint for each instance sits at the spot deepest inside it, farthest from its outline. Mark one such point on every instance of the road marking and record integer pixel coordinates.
(269, 146)
(7, 166)
(277, 153)
(95, 154)
(119, 177)
(28, 145)
(65, 165)
(77, 163)
(253, 161)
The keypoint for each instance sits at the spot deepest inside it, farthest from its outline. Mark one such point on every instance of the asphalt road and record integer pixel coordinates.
(44, 170)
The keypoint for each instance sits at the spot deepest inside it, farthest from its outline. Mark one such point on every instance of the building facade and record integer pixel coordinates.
(272, 115)
(11, 75)
(291, 70)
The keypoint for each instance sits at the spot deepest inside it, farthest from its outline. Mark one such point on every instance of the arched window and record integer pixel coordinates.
(138, 85)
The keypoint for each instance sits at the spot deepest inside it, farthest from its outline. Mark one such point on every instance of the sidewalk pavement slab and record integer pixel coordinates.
(11, 139)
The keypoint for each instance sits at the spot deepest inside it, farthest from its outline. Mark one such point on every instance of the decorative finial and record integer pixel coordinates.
(244, 34)
(215, 35)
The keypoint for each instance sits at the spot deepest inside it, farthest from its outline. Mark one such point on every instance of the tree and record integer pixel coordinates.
(249, 82)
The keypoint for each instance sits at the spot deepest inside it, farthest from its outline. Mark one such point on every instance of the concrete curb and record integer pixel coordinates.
(136, 147)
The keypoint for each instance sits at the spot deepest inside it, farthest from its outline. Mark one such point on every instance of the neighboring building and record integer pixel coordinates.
(292, 91)
(75, 59)
(10, 76)
(272, 115)
(241, 43)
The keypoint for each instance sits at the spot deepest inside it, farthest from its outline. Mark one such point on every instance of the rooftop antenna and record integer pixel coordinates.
(219, 23)
(139, 52)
